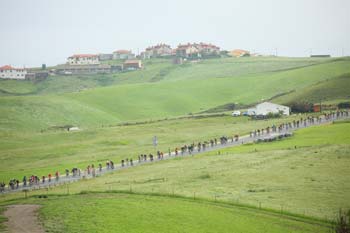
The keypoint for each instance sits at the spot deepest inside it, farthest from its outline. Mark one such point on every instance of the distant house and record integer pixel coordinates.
(197, 50)
(123, 54)
(132, 65)
(187, 51)
(266, 107)
(105, 56)
(239, 53)
(83, 59)
(159, 50)
(9, 72)
(208, 49)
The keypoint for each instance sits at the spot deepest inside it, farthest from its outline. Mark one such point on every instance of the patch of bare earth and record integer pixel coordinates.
(23, 219)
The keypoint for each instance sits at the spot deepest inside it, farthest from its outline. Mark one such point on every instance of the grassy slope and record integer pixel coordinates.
(43, 153)
(166, 98)
(155, 70)
(141, 213)
(312, 179)
(328, 90)
(160, 214)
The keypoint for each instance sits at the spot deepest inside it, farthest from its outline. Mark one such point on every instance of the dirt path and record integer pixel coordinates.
(23, 219)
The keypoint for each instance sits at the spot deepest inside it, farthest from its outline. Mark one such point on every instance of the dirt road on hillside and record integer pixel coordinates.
(23, 219)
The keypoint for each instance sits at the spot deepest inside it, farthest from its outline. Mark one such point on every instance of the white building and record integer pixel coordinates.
(9, 72)
(83, 59)
(266, 107)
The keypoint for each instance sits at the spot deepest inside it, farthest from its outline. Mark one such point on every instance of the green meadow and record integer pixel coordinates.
(161, 90)
(41, 153)
(297, 184)
(311, 179)
(118, 212)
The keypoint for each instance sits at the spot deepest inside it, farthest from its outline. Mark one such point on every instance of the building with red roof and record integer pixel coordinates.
(197, 50)
(9, 72)
(159, 50)
(132, 65)
(239, 53)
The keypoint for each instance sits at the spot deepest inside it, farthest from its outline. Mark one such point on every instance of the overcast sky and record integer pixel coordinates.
(47, 31)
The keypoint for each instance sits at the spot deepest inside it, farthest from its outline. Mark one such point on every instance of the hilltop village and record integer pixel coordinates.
(121, 61)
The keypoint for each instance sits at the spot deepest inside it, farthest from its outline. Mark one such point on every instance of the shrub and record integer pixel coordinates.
(301, 107)
(344, 105)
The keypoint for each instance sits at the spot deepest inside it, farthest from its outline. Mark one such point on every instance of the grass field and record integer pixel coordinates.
(45, 152)
(334, 90)
(145, 213)
(311, 180)
(219, 191)
(161, 90)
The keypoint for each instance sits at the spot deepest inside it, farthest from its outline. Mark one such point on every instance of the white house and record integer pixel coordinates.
(9, 72)
(266, 107)
(83, 59)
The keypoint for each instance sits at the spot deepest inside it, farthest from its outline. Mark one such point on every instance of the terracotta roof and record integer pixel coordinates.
(83, 55)
(8, 67)
(131, 61)
(122, 51)
(158, 46)
(201, 44)
(239, 52)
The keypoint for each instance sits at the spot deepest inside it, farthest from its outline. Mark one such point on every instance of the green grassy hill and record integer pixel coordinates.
(311, 179)
(331, 90)
(161, 90)
(306, 174)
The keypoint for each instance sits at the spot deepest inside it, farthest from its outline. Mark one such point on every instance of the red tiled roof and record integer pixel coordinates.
(7, 67)
(239, 52)
(122, 51)
(83, 55)
(132, 61)
(158, 46)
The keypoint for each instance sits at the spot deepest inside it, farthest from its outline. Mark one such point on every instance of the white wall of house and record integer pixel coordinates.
(76, 60)
(13, 73)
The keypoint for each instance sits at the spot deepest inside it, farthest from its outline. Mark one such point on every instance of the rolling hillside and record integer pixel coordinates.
(330, 90)
(161, 90)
